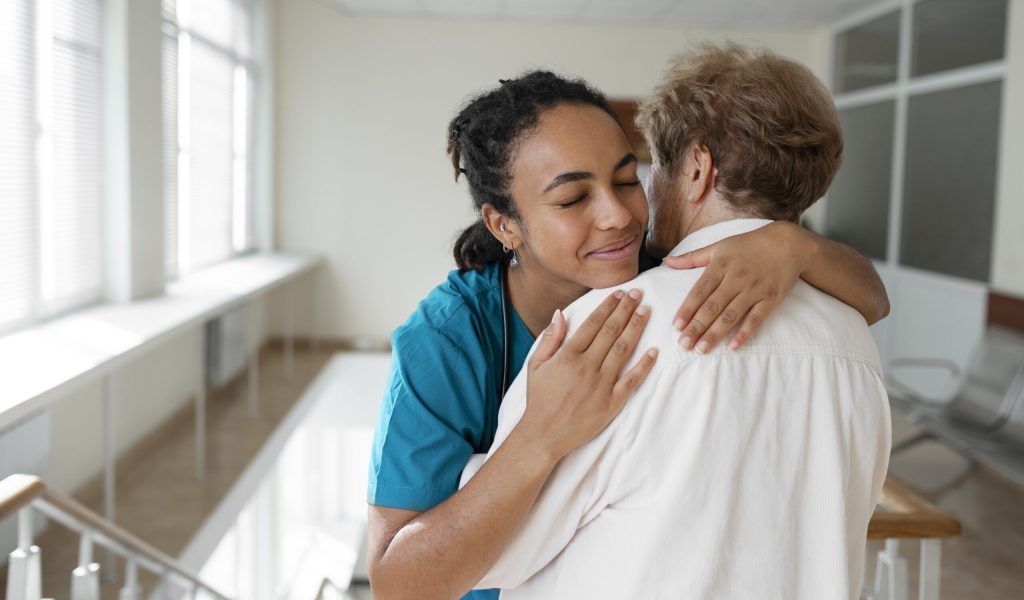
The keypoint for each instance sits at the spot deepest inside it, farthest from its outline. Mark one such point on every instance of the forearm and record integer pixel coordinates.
(446, 550)
(842, 272)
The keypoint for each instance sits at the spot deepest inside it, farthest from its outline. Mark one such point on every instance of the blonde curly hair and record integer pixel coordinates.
(768, 122)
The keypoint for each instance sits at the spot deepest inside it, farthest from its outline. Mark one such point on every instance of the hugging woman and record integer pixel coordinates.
(561, 212)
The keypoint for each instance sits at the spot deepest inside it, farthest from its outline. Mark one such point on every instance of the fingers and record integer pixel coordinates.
(635, 376)
(751, 323)
(623, 347)
(709, 312)
(725, 322)
(550, 339)
(695, 300)
(690, 260)
(607, 337)
(585, 335)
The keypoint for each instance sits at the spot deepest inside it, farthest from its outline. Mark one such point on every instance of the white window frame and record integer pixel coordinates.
(900, 92)
(895, 274)
(246, 227)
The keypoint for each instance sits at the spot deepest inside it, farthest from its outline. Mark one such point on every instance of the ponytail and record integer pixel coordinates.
(476, 248)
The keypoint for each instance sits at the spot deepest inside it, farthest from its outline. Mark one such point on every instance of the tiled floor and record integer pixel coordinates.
(160, 500)
(987, 561)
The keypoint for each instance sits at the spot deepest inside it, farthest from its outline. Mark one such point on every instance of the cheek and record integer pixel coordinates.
(640, 209)
(558, 237)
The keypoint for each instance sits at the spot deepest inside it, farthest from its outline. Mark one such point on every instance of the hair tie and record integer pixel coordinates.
(457, 130)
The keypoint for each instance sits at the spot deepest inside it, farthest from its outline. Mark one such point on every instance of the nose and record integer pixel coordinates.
(612, 212)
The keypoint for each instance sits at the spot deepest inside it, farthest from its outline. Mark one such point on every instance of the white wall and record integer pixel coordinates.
(1008, 250)
(362, 109)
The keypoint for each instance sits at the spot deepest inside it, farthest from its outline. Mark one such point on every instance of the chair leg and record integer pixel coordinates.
(911, 442)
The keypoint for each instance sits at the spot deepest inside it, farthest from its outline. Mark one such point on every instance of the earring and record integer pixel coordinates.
(515, 257)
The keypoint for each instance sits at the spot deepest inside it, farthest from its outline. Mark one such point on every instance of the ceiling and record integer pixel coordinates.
(687, 13)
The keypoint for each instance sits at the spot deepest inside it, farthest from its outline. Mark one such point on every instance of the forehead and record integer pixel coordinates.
(570, 138)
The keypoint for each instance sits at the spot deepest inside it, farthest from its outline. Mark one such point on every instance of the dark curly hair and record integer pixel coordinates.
(482, 141)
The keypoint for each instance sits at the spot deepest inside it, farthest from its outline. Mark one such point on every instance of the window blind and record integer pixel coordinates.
(17, 158)
(50, 157)
(207, 110)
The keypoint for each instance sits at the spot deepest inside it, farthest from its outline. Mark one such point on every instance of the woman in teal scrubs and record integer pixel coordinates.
(561, 212)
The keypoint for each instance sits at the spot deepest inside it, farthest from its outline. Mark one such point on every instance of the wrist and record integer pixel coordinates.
(806, 245)
(533, 447)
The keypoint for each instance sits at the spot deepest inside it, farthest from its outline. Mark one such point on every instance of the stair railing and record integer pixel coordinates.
(24, 494)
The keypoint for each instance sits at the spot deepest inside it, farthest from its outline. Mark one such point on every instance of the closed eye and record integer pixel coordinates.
(628, 183)
(577, 200)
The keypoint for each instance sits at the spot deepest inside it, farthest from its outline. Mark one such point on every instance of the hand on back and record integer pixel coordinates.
(575, 389)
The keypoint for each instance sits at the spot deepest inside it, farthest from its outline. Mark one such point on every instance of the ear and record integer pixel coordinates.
(510, 237)
(701, 172)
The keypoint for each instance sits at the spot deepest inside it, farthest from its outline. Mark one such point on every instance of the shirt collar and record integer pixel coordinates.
(715, 233)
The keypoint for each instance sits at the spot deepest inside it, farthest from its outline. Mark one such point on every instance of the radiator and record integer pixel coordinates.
(226, 347)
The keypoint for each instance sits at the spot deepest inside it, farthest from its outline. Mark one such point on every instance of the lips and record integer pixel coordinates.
(617, 250)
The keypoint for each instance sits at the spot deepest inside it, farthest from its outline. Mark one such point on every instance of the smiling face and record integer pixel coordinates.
(581, 207)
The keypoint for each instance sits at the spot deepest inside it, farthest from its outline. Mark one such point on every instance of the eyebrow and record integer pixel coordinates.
(580, 175)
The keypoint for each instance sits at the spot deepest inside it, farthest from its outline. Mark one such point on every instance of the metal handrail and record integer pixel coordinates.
(25, 492)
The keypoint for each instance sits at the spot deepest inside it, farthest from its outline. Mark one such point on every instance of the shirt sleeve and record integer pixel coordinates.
(575, 493)
(430, 421)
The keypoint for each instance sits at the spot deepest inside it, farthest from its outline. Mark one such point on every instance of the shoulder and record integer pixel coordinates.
(811, 320)
(451, 312)
(663, 288)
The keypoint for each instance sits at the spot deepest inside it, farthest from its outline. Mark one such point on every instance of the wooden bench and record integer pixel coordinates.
(903, 515)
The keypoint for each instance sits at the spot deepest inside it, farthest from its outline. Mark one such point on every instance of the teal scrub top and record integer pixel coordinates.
(441, 402)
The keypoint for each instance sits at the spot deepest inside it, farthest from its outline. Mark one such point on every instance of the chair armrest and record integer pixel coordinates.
(895, 384)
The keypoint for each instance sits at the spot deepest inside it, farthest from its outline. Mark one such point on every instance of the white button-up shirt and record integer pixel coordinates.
(746, 474)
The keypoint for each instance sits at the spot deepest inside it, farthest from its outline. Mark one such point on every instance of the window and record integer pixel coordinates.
(921, 126)
(51, 158)
(208, 81)
(867, 55)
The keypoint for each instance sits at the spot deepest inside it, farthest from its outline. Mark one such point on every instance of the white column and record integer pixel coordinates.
(931, 569)
(254, 380)
(85, 579)
(133, 130)
(314, 308)
(24, 568)
(289, 331)
(1007, 243)
(131, 589)
(201, 407)
(891, 573)
(109, 466)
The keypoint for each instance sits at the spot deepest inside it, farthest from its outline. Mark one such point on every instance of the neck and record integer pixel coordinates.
(536, 296)
(712, 210)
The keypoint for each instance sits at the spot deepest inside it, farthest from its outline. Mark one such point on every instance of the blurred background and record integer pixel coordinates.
(214, 212)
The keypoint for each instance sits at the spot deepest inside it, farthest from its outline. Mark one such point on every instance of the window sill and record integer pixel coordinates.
(41, 363)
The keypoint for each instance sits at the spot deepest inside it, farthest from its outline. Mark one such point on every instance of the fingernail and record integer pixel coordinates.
(702, 346)
(643, 310)
(679, 324)
(635, 294)
(619, 294)
(554, 317)
(733, 344)
(653, 353)
(685, 342)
